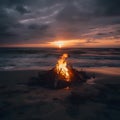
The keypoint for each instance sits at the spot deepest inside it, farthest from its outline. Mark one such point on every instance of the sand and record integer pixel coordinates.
(100, 100)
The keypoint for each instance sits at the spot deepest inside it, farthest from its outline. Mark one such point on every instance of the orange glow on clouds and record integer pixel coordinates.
(81, 43)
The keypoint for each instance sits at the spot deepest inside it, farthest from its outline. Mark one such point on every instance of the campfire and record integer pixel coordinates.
(62, 69)
(61, 76)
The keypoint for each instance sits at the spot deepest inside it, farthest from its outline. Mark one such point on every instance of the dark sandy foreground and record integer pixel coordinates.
(100, 98)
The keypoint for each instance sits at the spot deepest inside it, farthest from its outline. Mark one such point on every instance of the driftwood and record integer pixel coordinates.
(50, 79)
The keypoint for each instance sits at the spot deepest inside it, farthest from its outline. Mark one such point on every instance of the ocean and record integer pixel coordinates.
(46, 58)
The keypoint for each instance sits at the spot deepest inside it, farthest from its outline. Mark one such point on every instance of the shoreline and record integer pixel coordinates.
(98, 69)
(27, 73)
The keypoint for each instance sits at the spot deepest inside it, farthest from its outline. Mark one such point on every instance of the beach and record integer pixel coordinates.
(19, 101)
(59, 59)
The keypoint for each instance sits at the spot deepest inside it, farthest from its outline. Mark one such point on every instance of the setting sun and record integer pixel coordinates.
(63, 43)
(60, 44)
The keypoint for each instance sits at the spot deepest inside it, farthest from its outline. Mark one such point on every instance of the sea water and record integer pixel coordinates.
(46, 58)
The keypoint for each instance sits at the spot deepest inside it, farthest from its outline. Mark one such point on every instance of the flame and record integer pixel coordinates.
(62, 67)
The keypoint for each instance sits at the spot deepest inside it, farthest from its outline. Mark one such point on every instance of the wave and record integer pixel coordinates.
(15, 58)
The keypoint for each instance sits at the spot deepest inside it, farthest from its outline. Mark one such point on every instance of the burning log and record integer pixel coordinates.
(62, 75)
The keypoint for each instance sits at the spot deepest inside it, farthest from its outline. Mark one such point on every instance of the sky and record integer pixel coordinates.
(77, 23)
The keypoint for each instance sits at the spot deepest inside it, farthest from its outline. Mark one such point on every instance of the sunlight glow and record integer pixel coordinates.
(64, 43)
(60, 44)
(82, 43)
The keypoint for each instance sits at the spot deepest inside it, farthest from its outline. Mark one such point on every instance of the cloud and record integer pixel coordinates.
(108, 7)
(22, 9)
(39, 21)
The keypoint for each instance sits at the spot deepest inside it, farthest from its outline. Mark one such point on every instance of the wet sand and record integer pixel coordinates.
(99, 101)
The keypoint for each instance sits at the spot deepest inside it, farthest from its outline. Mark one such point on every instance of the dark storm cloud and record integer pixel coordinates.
(24, 21)
(37, 31)
(108, 7)
(22, 9)
(6, 23)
